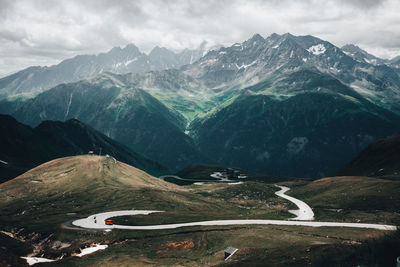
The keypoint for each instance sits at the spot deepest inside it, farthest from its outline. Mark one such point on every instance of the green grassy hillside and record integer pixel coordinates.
(35, 205)
(380, 159)
(23, 147)
(352, 199)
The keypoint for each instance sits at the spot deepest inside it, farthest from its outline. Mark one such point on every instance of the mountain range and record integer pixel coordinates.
(33, 80)
(283, 105)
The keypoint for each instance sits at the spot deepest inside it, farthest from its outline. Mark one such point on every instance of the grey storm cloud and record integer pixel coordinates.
(44, 32)
(364, 4)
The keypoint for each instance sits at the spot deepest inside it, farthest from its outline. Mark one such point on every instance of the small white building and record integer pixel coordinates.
(229, 251)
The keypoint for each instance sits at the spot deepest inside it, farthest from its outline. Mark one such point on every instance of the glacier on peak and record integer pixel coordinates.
(317, 49)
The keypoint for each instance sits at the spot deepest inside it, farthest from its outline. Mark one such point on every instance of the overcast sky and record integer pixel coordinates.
(44, 32)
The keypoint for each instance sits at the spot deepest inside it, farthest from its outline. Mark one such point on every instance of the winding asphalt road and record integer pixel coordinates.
(217, 178)
(96, 221)
(182, 179)
(304, 213)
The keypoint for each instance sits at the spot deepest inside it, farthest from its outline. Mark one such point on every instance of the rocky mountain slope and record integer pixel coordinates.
(118, 60)
(23, 147)
(308, 135)
(361, 55)
(125, 113)
(260, 60)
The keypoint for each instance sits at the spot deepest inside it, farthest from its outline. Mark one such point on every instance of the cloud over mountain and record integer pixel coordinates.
(45, 32)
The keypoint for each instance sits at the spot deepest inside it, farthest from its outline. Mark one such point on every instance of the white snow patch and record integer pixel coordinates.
(370, 61)
(187, 132)
(85, 251)
(333, 69)
(244, 66)
(208, 61)
(69, 105)
(317, 49)
(235, 183)
(35, 181)
(126, 63)
(34, 260)
(304, 59)
(222, 52)
(117, 65)
(362, 91)
(291, 54)
(275, 46)
(90, 250)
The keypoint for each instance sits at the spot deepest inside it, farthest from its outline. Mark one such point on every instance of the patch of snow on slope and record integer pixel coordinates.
(246, 66)
(34, 260)
(235, 183)
(361, 91)
(126, 63)
(348, 53)
(372, 61)
(208, 61)
(317, 49)
(69, 105)
(90, 250)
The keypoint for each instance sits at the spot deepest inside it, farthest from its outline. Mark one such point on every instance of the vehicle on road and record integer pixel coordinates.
(109, 222)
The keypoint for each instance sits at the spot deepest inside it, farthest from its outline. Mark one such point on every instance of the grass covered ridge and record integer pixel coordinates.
(352, 199)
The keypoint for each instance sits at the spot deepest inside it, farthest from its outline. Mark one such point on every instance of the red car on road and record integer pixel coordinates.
(109, 222)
